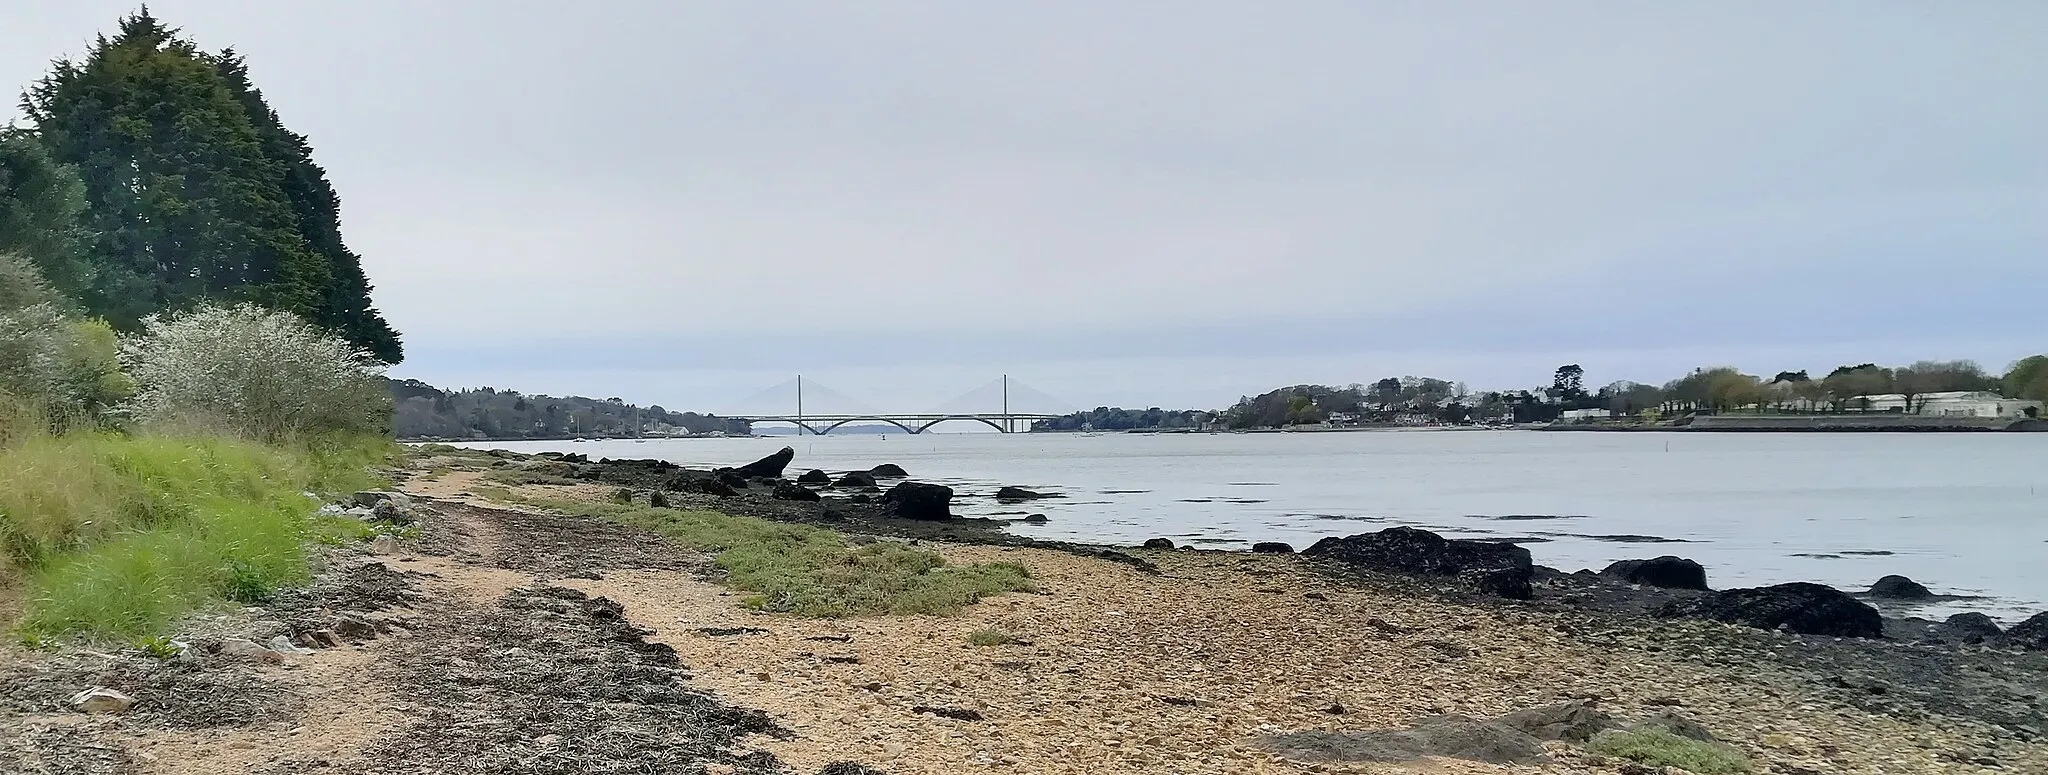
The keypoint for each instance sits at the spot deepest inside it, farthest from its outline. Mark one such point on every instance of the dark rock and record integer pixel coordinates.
(721, 632)
(814, 476)
(1158, 543)
(1801, 607)
(1272, 547)
(657, 499)
(1896, 587)
(917, 500)
(1037, 519)
(770, 466)
(622, 495)
(849, 768)
(1492, 567)
(860, 497)
(2031, 634)
(1018, 494)
(888, 471)
(791, 491)
(575, 457)
(1668, 572)
(1574, 722)
(856, 479)
(1970, 628)
(731, 478)
(957, 714)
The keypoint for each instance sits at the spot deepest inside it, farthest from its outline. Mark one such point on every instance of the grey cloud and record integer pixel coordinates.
(545, 189)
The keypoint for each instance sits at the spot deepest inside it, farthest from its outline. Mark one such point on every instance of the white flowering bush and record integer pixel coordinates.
(254, 372)
(55, 371)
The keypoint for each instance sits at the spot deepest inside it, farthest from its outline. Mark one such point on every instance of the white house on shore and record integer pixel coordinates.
(1957, 403)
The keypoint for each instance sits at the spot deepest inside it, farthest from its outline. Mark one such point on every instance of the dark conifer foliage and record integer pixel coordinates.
(194, 189)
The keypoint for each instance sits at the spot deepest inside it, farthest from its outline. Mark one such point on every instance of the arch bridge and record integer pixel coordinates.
(821, 424)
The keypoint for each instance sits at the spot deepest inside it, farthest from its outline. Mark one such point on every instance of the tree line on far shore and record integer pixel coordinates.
(1717, 388)
(423, 411)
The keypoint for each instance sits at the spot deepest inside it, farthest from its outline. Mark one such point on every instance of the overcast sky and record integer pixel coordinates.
(1156, 203)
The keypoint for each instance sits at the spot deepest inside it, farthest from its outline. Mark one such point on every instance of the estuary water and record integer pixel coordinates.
(1965, 514)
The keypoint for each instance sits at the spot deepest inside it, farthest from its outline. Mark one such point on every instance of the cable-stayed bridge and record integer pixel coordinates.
(1003, 404)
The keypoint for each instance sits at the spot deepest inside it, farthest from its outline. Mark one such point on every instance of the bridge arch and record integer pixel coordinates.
(983, 420)
(830, 428)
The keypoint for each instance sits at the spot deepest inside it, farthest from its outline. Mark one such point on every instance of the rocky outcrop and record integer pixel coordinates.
(1159, 543)
(1668, 572)
(1575, 721)
(1801, 607)
(707, 485)
(2031, 634)
(814, 476)
(1897, 587)
(888, 471)
(1272, 547)
(1488, 566)
(1968, 628)
(769, 467)
(917, 500)
(856, 480)
(1014, 494)
(791, 491)
(370, 498)
(1036, 519)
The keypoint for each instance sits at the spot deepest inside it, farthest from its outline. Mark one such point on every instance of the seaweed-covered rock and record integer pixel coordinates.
(814, 476)
(2031, 634)
(1970, 628)
(1801, 607)
(1272, 547)
(1489, 566)
(888, 471)
(1013, 494)
(1668, 572)
(1896, 587)
(1158, 543)
(855, 480)
(917, 500)
(791, 491)
(769, 467)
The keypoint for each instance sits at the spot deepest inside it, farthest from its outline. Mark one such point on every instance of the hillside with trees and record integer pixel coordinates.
(1110, 418)
(155, 177)
(426, 412)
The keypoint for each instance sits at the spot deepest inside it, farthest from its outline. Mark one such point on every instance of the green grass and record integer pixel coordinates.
(1661, 747)
(990, 637)
(805, 571)
(117, 535)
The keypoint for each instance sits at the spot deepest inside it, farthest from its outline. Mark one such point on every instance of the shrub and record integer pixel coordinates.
(254, 372)
(1663, 748)
(990, 637)
(811, 572)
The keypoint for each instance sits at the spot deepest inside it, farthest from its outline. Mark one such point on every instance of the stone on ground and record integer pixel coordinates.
(1896, 587)
(100, 699)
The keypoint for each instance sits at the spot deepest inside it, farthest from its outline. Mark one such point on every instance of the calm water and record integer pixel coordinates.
(1963, 514)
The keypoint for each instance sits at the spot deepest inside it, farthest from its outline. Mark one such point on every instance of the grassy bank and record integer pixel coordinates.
(806, 571)
(118, 535)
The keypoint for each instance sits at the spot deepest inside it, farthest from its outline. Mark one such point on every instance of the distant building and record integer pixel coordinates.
(1582, 415)
(1956, 403)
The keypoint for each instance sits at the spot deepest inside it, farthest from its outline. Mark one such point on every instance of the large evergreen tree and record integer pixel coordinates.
(195, 189)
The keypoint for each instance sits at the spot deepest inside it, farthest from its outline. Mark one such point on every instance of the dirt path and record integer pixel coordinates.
(514, 642)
